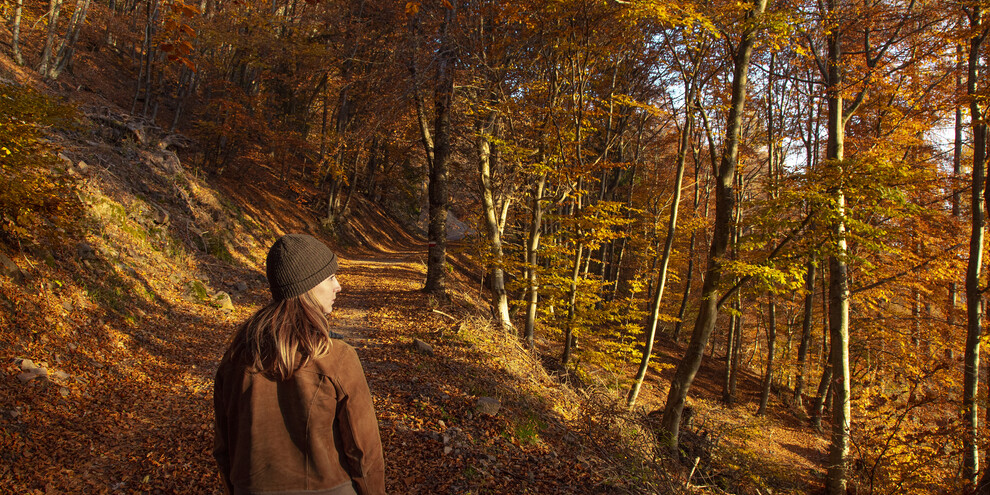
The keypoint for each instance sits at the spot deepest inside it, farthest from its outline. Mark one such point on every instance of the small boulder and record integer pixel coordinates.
(158, 215)
(11, 269)
(82, 167)
(423, 347)
(129, 270)
(222, 300)
(85, 252)
(487, 406)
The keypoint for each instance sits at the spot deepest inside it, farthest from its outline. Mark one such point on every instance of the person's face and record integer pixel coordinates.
(326, 293)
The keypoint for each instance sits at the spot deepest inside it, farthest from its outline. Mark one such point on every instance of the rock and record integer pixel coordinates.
(223, 300)
(487, 406)
(199, 291)
(423, 347)
(67, 305)
(63, 391)
(171, 163)
(60, 376)
(158, 215)
(241, 286)
(11, 269)
(27, 364)
(83, 167)
(29, 375)
(129, 270)
(85, 252)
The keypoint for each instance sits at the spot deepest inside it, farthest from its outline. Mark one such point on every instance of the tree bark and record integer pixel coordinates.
(54, 7)
(974, 297)
(802, 358)
(64, 55)
(771, 348)
(532, 245)
(668, 248)
(688, 367)
(838, 289)
(436, 268)
(15, 42)
(500, 299)
(818, 407)
(572, 300)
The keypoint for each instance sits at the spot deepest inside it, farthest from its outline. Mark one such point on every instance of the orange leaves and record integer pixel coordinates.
(176, 34)
(412, 8)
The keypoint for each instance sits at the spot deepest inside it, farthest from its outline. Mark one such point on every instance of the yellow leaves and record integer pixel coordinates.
(412, 8)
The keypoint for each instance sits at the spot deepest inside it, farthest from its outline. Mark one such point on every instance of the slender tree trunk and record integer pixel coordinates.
(64, 56)
(818, 406)
(802, 359)
(974, 297)
(956, 174)
(15, 42)
(436, 269)
(771, 348)
(682, 310)
(532, 245)
(500, 297)
(668, 248)
(688, 367)
(54, 7)
(838, 291)
(571, 301)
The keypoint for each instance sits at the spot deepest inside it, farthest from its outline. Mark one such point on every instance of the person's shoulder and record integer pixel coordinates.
(329, 363)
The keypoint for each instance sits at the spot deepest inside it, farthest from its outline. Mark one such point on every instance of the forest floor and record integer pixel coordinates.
(123, 330)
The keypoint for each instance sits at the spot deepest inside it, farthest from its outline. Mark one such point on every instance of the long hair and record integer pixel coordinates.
(282, 337)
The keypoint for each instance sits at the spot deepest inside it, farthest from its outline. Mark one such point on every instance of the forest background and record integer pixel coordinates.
(797, 188)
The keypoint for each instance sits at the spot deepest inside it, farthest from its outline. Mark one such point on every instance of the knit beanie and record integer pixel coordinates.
(296, 263)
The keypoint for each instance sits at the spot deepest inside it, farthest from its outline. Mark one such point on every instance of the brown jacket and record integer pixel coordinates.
(315, 433)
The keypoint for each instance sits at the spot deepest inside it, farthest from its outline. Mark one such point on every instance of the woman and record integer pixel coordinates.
(293, 410)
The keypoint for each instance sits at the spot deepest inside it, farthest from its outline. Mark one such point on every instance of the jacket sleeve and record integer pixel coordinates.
(220, 446)
(358, 426)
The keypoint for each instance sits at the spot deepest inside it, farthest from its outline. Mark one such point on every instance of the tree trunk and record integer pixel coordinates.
(64, 56)
(682, 310)
(974, 310)
(838, 290)
(957, 151)
(771, 348)
(688, 367)
(802, 359)
(571, 302)
(668, 248)
(535, 229)
(819, 405)
(15, 42)
(54, 7)
(436, 268)
(730, 333)
(500, 302)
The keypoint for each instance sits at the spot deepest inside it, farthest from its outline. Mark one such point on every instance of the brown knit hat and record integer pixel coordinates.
(297, 263)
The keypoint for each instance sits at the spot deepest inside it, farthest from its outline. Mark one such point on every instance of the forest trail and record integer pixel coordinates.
(130, 322)
(128, 407)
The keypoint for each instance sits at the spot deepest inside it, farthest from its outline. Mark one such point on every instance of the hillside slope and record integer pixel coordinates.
(111, 340)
